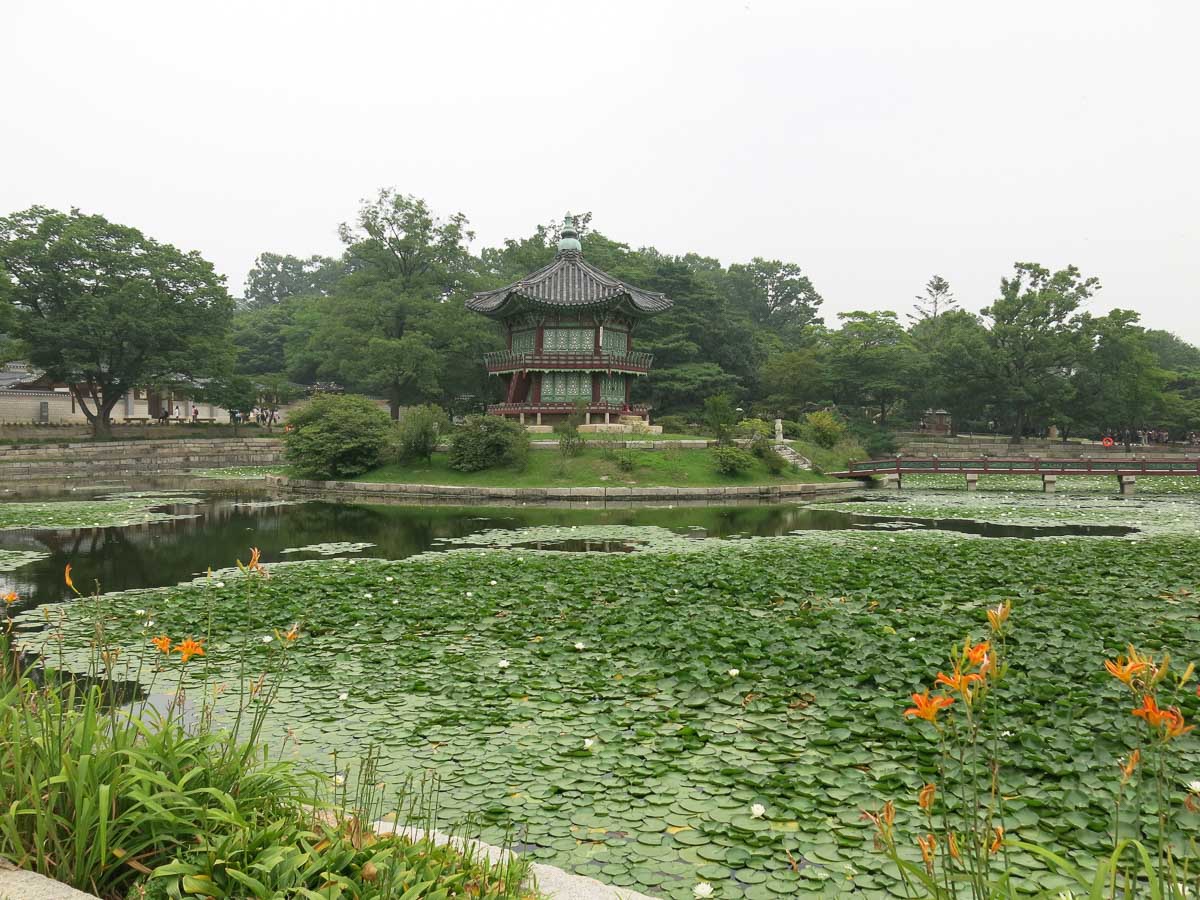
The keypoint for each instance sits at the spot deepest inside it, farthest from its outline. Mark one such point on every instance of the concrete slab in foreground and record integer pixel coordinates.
(550, 881)
(17, 884)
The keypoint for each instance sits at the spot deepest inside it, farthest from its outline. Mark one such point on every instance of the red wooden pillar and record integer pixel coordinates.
(595, 387)
(537, 344)
(628, 388)
(537, 378)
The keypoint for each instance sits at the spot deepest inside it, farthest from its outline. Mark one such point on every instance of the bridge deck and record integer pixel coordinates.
(1021, 466)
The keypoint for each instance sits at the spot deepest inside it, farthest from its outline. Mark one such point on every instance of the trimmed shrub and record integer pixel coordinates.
(485, 442)
(337, 436)
(755, 428)
(792, 429)
(824, 428)
(731, 460)
(419, 431)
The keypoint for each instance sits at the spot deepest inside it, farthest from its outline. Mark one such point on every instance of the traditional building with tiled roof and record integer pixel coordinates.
(569, 329)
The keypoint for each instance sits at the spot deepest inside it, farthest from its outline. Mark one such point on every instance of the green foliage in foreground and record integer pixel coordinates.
(626, 711)
(124, 801)
(593, 468)
(337, 436)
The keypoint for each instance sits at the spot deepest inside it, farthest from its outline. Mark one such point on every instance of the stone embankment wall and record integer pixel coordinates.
(83, 461)
(977, 445)
(468, 495)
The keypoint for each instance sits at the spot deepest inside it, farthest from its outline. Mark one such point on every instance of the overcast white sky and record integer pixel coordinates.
(873, 143)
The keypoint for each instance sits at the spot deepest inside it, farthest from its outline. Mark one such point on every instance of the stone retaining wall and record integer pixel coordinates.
(470, 495)
(46, 462)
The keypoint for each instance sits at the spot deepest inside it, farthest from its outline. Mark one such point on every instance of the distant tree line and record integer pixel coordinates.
(104, 306)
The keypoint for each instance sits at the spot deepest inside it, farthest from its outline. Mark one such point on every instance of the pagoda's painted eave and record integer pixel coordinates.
(516, 304)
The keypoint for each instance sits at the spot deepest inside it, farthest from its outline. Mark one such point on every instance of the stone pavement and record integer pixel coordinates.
(17, 884)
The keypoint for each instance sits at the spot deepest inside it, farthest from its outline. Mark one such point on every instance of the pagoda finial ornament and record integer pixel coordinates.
(569, 239)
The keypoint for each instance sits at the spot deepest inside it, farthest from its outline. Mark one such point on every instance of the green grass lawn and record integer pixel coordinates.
(592, 468)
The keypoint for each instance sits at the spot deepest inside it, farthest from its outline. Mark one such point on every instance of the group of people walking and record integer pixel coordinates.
(1145, 437)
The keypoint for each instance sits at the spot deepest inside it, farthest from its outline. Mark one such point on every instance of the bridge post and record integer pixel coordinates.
(891, 481)
(972, 481)
(1128, 484)
(1049, 483)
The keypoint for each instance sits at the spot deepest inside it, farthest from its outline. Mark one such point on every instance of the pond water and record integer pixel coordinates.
(227, 521)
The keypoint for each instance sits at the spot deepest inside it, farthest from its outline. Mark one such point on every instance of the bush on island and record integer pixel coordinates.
(731, 460)
(419, 432)
(484, 442)
(337, 436)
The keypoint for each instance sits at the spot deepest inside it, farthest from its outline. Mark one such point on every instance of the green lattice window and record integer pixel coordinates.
(523, 341)
(615, 341)
(566, 386)
(569, 340)
(612, 388)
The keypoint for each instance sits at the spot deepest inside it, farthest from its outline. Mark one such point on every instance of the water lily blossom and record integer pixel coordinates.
(266, 638)
(588, 742)
(579, 645)
(702, 890)
(344, 696)
(734, 673)
(503, 664)
(757, 811)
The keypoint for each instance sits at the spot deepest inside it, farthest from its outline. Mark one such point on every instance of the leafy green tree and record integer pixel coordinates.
(236, 394)
(1118, 383)
(774, 293)
(273, 391)
(105, 309)
(275, 278)
(337, 436)
(952, 370)
(793, 381)
(1035, 341)
(936, 299)
(872, 361)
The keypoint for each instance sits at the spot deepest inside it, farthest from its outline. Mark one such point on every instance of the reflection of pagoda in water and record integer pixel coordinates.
(569, 329)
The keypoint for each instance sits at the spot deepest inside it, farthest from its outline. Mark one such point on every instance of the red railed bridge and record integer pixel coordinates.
(1126, 471)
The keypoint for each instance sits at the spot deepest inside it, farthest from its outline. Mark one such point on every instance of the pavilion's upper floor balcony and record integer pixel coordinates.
(503, 361)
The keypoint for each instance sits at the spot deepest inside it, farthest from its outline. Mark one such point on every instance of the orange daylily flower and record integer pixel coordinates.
(162, 642)
(998, 615)
(1169, 720)
(292, 633)
(10, 598)
(883, 821)
(979, 653)
(1124, 669)
(952, 843)
(926, 795)
(958, 682)
(189, 648)
(928, 707)
(1127, 769)
(928, 845)
(998, 840)
(67, 578)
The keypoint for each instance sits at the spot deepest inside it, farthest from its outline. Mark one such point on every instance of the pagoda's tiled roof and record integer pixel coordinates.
(569, 282)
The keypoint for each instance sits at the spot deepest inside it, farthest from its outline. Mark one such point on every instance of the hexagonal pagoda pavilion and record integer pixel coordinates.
(569, 329)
